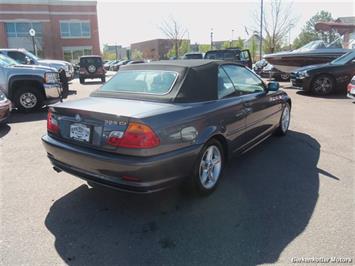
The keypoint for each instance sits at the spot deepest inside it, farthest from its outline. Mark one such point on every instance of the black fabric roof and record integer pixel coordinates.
(197, 80)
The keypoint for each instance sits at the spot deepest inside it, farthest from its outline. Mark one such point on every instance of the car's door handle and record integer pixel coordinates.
(247, 104)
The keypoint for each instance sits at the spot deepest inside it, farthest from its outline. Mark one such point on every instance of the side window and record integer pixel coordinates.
(224, 85)
(17, 56)
(244, 55)
(244, 81)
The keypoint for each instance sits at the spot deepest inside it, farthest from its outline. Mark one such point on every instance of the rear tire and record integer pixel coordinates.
(284, 121)
(323, 85)
(28, 99)
(208, 168)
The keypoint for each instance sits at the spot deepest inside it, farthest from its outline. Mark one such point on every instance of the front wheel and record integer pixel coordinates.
(28, 99)
(322, 85)
(284, 121)
(208, 168)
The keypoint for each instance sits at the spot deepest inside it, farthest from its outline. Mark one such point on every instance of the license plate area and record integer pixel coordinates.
(80, 132)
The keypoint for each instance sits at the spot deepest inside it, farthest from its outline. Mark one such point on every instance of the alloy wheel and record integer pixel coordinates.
(323, 85)
(210, 167)
(285, 119)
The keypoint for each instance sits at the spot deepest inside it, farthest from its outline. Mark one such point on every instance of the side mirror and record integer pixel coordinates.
(273, 86)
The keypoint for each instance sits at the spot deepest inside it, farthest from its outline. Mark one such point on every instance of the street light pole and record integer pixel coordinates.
(261, 31)
(211, 38)
(34, 45)
(232, 38)
(32, 33)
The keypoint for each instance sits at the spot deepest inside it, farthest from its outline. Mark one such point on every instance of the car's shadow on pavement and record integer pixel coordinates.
(4, 129)
(264, 202)
(20, 117)
(337, 95)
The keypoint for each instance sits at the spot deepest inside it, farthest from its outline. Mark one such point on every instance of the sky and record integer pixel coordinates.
(123, 23)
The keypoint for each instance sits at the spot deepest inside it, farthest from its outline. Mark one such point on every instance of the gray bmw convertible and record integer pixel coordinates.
(153, 125)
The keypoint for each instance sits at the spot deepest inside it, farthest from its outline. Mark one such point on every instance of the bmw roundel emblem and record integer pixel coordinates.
(77, 117)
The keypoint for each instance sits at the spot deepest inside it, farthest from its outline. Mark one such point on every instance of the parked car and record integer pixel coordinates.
(5, 107)
(155, 124)
(266, 70)
(116, 66)
(91, 67)
(24, 57)
(193, 55)
(351, 88)
(29, 87)
(109, 63)
(231, 54)
(135, 62)
(326, 78)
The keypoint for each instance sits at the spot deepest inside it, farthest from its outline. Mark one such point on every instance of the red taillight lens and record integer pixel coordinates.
(136, 136)
(350, 86)
(52, 123)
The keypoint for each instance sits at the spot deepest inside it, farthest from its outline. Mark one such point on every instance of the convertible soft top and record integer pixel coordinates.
(197, 81)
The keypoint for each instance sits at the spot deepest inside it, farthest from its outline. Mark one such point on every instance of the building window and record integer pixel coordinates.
(73, 54)
(75, 29)
(21, 29)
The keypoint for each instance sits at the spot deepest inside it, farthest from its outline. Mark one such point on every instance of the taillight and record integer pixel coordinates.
(52, 123)
(138, 136)
(350, 86)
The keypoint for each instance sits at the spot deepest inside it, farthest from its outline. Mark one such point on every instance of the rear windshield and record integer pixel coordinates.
(223, 55)
(96, 61)
(157, 82)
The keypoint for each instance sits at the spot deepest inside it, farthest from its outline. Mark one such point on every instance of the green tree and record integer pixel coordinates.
(109, 55)
(309, 32)
(203, 48)
(277, 21)
(175, 32)
(183, 49)
(270, 46)
(253, 48)
(239, 43)
(136, 55)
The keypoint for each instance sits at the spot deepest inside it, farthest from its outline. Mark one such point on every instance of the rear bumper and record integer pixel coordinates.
(128, 173)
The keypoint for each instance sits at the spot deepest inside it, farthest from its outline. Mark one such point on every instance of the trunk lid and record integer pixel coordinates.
(117, 107)
(90, 121)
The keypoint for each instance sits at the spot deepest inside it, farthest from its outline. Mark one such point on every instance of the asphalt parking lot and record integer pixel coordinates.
(290, 197)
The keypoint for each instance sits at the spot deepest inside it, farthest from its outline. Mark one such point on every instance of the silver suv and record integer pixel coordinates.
(22, 56)
(29, 87)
